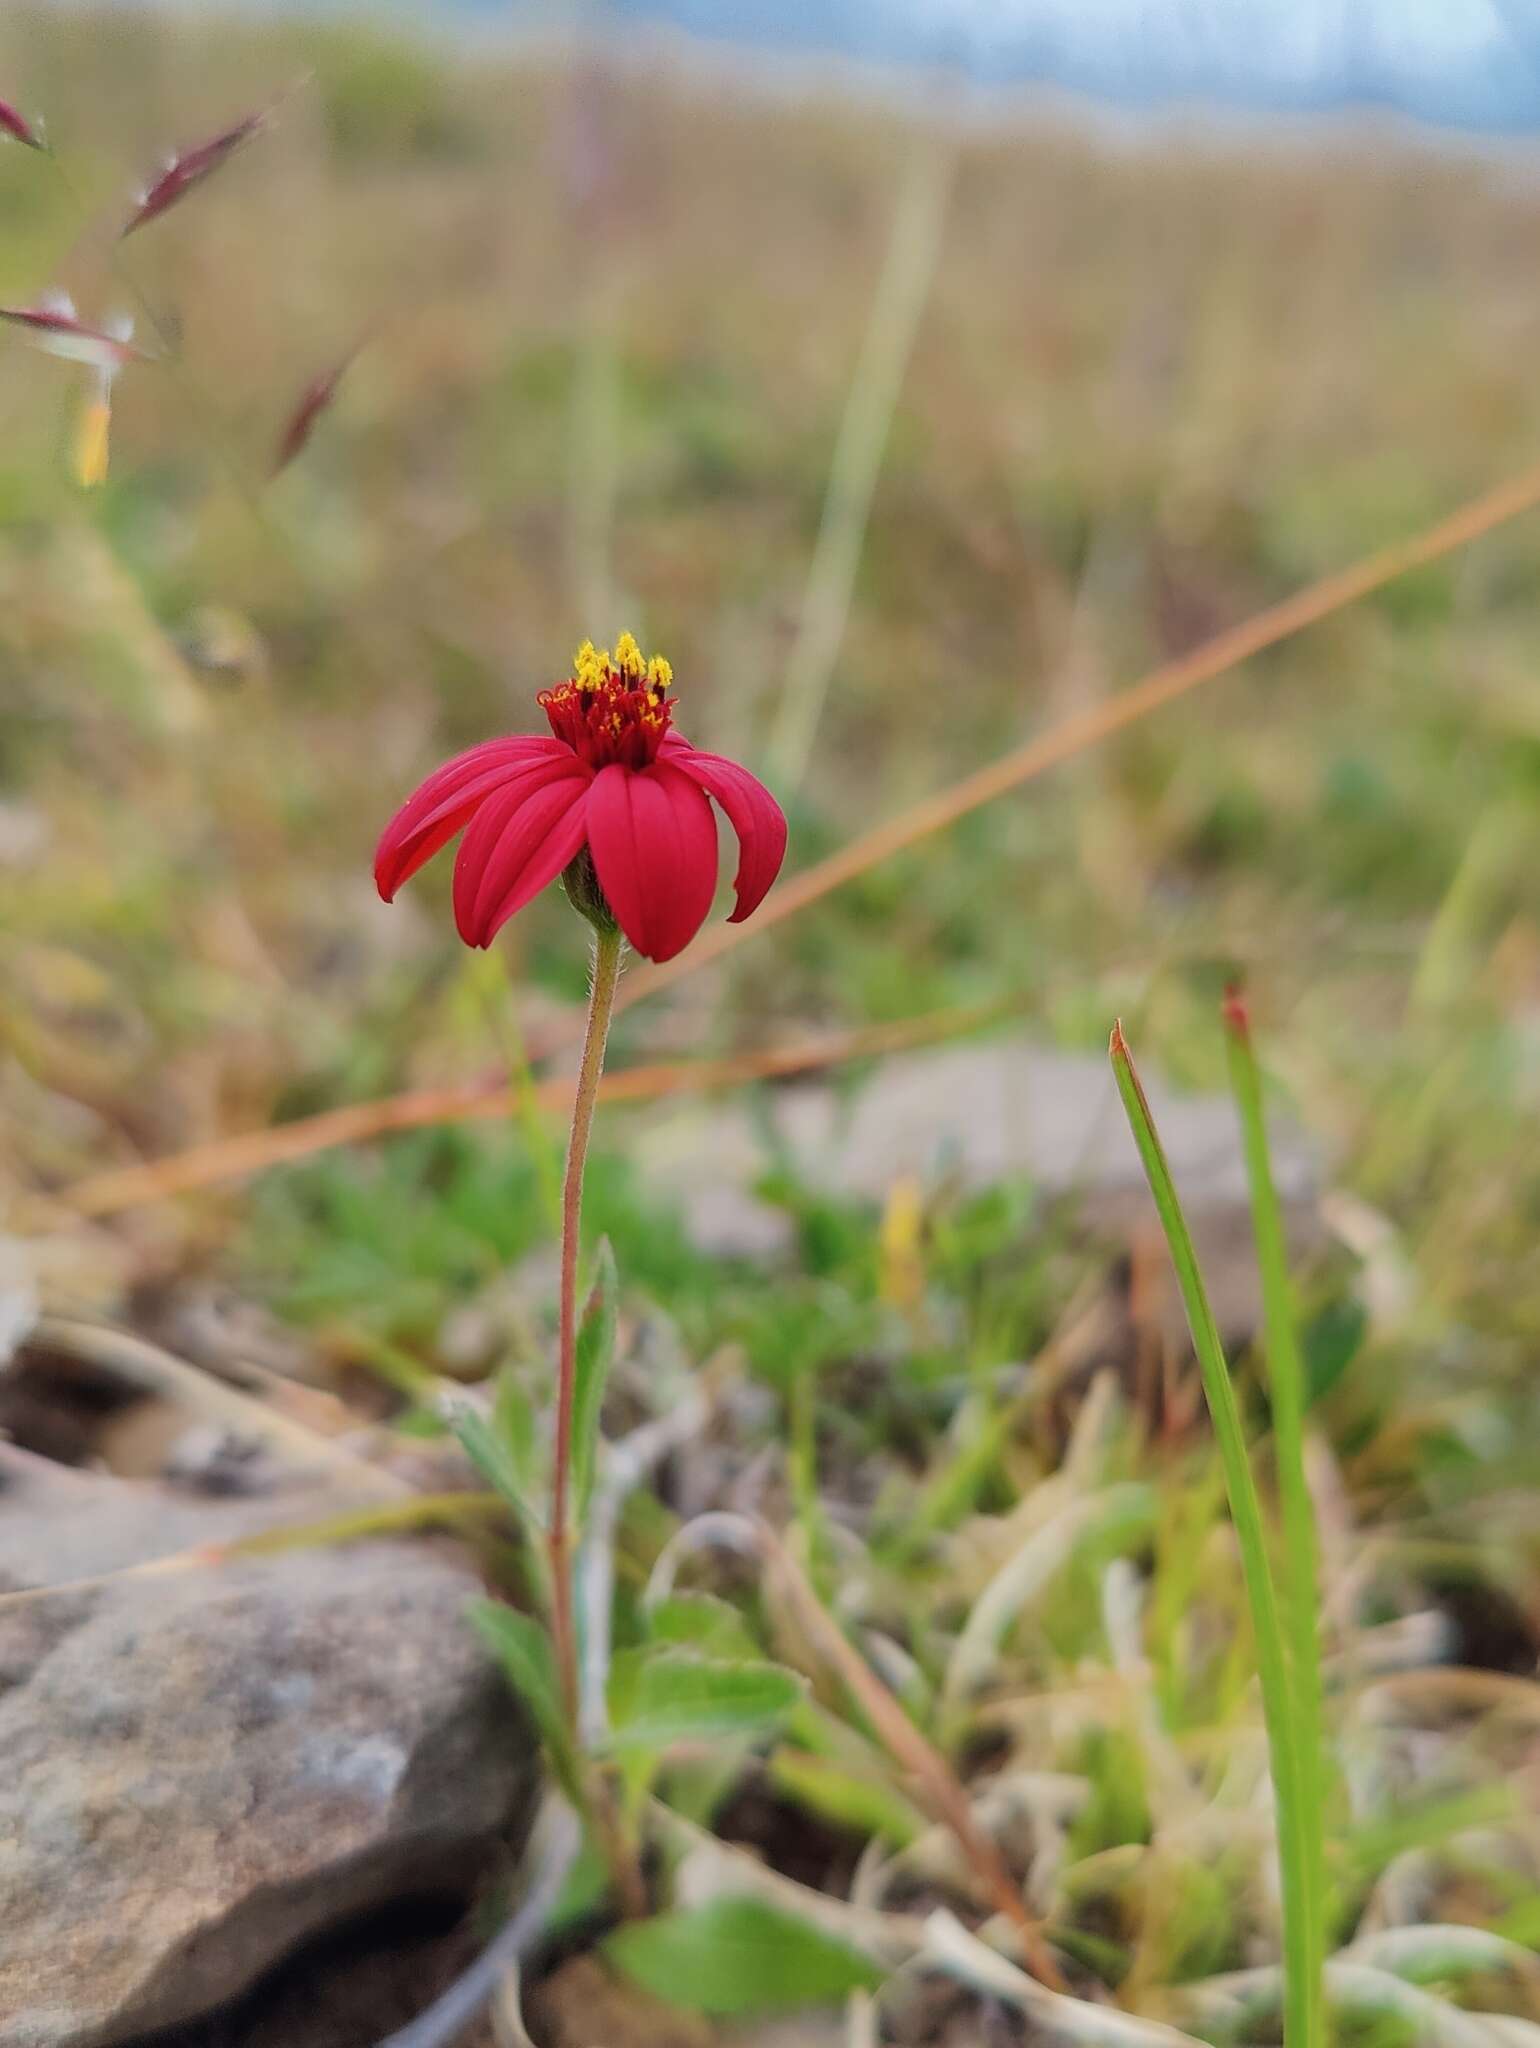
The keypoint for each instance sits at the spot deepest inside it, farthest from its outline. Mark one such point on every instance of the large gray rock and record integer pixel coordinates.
(982, 1111)
(205, 1765)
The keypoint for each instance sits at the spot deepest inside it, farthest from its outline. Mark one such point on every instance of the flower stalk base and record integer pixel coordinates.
(601, 1003)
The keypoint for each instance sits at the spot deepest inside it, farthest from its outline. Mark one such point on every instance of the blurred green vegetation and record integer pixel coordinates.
(1154, 387)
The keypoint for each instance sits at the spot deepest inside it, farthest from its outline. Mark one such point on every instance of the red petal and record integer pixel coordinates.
(753, 813)
(519, 840)
(435, 811)
(654, 844)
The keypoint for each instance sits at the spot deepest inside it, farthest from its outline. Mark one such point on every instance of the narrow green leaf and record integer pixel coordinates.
(595, 1354)
(657, 1699)
(1289, 1389)
(517, 1423)
(524, 1650)
(493, 1449)
(739, 1955)
(1302, 2009)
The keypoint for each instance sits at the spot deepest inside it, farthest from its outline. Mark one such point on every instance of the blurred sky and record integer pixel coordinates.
(1461, 63)
(1467, 62)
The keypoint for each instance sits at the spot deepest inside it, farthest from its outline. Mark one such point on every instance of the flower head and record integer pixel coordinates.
(615, 801)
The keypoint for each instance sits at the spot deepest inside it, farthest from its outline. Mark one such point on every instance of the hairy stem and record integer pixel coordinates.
(601, 1002)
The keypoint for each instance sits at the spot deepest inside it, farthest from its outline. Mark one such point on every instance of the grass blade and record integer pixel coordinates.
(1286, 1382)
(897, 308)
(1300, 2001)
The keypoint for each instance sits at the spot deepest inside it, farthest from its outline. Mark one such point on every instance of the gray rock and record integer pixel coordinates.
(206, 1765)
(982, 1111)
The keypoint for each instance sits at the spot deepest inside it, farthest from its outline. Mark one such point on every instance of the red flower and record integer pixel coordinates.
(615, 780)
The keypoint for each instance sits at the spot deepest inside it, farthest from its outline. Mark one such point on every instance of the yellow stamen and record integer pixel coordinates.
(628, 658)
(590, 666)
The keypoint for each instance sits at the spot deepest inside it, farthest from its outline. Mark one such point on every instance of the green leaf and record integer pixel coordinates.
(496, 1449)
(518, 1427)
(1117, 1811)
(658, 1699)
(696, 1783)
(739, 1955)
(847, 1798)
(584, 1892)
(1331, 1341)
(524, 1650)
(595, 1353)
(703, 1622)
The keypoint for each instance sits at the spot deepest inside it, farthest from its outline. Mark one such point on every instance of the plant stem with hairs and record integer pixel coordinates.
(601, 1002)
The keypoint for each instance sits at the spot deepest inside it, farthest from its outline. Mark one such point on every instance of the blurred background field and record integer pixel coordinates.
(608, 311)
(609, 320)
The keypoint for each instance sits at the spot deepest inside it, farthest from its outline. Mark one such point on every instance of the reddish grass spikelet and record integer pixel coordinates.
(18, 127)
(301, 423)
(1235, 1011)
(54, 326)
(190, 168)
(56, 329)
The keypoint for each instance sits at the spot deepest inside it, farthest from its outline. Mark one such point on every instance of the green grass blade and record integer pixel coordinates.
(897, 307)
(1286, 1381)
(1246, 1512)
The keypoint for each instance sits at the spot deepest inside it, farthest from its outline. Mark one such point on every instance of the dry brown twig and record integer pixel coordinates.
(232, 1159)
(946, 1796)
(456, 1512)
(154, 1371)
(910, 1748)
